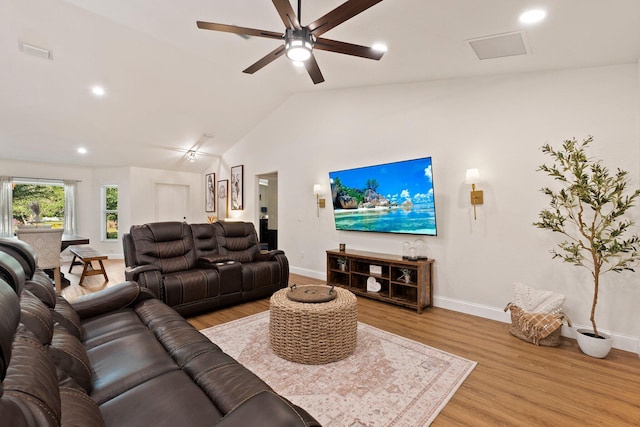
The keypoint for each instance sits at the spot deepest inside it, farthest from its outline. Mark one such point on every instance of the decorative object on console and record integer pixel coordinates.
(406, 275)
(388, 198)
(237, 188)
(373, 285)
(223, 193)
(342, 247)
(473, 176)
(420, 249)
(342, 262)
(320, 202)
(210, 192)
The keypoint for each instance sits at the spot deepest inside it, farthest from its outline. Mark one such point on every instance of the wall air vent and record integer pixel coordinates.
(32, 50)
(500, 45)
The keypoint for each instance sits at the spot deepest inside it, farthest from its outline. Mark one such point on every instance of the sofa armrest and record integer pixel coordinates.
(131, 274)
(109, 299)
(267, 255)
(267, 409)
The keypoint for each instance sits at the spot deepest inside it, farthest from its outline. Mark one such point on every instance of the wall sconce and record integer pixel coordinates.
(473, 176)
(191, 156)
(317, 190)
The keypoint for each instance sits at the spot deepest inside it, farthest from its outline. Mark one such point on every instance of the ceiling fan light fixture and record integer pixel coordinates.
(379, 47)
(191, 156)
(298, 44)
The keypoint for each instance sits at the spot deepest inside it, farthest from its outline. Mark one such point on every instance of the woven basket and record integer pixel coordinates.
(313, 333)
(551, 340)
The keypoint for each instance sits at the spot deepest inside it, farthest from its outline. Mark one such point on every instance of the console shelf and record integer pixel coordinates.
(402, 281)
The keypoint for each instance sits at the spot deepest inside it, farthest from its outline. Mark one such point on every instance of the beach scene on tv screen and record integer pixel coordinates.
(389, 198)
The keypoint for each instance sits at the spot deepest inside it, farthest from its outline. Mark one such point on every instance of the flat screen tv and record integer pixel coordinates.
(388, 198)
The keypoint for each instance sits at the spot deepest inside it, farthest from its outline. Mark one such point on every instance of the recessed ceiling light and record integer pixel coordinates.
(82, 150)
(380, 47)
(533, 16)
(98, 90)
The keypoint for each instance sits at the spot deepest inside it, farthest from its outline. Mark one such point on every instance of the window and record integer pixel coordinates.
(109, 212)
(38, 202)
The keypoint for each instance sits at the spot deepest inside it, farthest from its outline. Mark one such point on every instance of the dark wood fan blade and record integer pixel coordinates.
(347, 48)
(239, 30)
(269, 58)
(287, 14)
(340, 14)
(313, 69)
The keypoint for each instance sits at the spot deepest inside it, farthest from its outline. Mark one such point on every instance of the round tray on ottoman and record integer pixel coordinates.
(313, 333)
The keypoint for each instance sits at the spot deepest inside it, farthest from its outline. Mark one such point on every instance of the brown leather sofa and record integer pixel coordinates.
(117, 358)
(201, 267)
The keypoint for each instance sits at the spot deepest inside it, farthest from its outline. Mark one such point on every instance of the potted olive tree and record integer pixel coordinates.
(589, 210)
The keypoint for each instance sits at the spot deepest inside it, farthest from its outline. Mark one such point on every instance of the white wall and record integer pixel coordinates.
(496, 124)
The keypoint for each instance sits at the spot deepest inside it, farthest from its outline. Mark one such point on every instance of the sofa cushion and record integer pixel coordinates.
(168, 245)
(256, 275)
(22, 252)
(35, 396)
(36, 317)
(40, 285)
(110, 326)
(171, 399)
(70, 357)
(66, 316)
(238, 240)
(204, 239)
(189, 286)
(125, 362)
(78, 409)
(9, 319)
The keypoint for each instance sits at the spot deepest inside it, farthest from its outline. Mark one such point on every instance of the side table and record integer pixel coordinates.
(313, 333)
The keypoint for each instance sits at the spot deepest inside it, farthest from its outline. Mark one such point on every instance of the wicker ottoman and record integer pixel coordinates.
(313, 333)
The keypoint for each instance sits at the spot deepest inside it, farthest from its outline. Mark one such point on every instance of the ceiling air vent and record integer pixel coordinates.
(35, 51)
(499, 45)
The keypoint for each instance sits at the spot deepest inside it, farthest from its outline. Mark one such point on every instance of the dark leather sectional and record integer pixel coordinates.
(195, 268)
(119, 357)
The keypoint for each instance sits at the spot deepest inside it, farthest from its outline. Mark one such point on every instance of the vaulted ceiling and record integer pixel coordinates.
(171, 87)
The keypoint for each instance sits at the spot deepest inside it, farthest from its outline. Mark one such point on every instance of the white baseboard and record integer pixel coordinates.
(309, 273)
(620, 341)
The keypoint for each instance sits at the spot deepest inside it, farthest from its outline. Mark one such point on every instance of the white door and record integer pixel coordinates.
(172, 202)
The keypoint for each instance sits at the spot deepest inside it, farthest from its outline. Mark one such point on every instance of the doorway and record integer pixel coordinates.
(268, 210)
(171, 202)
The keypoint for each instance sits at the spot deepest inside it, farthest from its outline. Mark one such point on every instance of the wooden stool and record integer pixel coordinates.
(86, 255)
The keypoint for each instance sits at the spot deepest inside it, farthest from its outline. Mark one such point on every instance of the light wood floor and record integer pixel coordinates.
(514, 383)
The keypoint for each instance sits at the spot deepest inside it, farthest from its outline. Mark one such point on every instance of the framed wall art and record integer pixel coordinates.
(237, 187)
(223, 197)
(210, 192)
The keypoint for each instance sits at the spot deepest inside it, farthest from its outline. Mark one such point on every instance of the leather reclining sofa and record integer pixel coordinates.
(119, 357)
(201, 267)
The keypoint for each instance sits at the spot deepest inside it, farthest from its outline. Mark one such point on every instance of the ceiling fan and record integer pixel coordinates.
(299, 41)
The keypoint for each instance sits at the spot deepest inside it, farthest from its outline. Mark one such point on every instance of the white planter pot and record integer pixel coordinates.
(594, 347)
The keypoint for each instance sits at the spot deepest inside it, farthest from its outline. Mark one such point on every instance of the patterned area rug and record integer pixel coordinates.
(388, 381)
